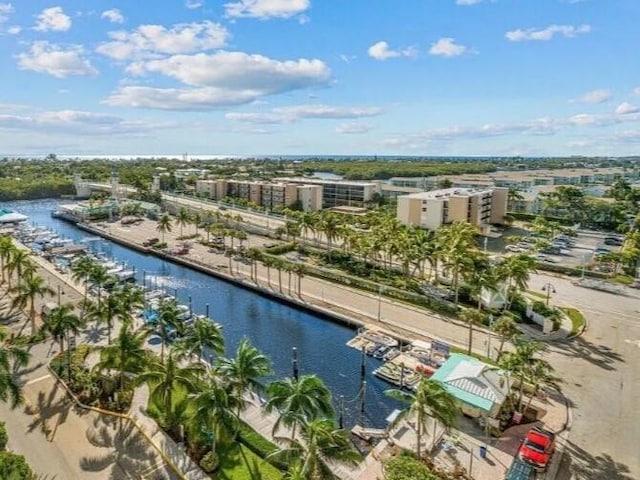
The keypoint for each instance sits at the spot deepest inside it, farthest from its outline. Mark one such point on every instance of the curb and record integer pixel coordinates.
(123, 416)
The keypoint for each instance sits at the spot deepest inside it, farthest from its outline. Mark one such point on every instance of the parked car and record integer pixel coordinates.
(513, 248)
(520, 470)
(537, 448)
(551, 250)
(613, 241)
(150, 241)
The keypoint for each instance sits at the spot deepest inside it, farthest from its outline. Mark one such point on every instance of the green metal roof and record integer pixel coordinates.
(444, 373)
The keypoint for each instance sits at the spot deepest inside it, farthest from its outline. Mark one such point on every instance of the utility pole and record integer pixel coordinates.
(362, 401)
(294, 362)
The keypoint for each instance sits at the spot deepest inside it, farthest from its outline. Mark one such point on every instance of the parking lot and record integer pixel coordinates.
(580, 253)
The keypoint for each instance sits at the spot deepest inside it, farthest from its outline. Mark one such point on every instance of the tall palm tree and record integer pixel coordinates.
(539, 374)
(6, 249)
(126, 355)
(62, 321)
(430, 400)
(306, 398)
(11, 357)
(81, 270)
(165, 377)
(130, 298)
(215, 407)
(18, 263)
(321, 442)
(168, 322)
(182, 218)
(300, 270)
(27, 291)
(516, 270)
(458, 239)
(164, 225)
(203, 335)
(506, 327)
(104, 312)
(99, 278)
(472, 317)
(245, 371)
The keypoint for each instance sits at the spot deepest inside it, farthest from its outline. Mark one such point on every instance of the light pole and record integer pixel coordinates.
(379, 303)
(549, 288)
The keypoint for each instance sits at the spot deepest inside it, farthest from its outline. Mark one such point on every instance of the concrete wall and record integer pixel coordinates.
(499, 205)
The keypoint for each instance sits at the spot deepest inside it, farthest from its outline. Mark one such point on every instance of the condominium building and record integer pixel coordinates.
(266, 194)
(340, 192)
(430, 210)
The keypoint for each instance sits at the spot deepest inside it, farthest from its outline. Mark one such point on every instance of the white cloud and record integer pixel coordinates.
(447, 47)
(14, 29)
(55, 60)
(6, 9)
(636, 91)
(548, 33)
(114, 15)
(53, 19)
(294, 113)
(264, 9)
(239, 71)
(193, 4)
(353, 128)
(75, 122)
(150, 40)
(468, 2)
(625, 108)
(594, 96)
(382, 51)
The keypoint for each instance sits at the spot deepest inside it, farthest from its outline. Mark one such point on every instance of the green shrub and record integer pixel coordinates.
(404, 467)
(4, 438)
(281, 249)
(259, 445)
(14, 467)
(210, 462)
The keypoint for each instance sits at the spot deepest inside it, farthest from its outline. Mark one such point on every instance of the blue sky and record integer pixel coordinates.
(374, 77)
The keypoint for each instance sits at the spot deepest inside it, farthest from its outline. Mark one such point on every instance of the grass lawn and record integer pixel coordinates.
(537, 294)
(577, 319)
(233, 465)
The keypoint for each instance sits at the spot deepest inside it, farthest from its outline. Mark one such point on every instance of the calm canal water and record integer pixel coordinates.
(273, 327)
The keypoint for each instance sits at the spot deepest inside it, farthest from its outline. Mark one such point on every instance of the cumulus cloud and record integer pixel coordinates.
(188, 99)
(548, 33)
(298, 112)
(150, 40)
(6, 9)
(264, 9)
(193, 4)
(382, 51)
(352, 128)
(626, 108)
(76, 122)
(594, 96)
(53, 19)
(61, 62)
(447, 47)
(114, 15)
(14, 29)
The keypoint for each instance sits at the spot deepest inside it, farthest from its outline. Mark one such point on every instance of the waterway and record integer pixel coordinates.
(273, 327)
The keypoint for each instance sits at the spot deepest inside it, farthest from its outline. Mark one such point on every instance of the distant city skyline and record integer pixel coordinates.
(304, 77)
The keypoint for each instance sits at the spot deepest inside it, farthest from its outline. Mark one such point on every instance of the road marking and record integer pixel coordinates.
(39, 379)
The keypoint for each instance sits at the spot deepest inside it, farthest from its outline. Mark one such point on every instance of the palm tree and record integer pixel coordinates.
(18, 262)
(430, 400)
(6, 249)
(458, 239)
(215, 408)
(62, 321)
(268, 262)
(517, 269)
(182, 218)
(506, 327)
(245, 370)
(168, 322)
(81, 270)
(164, 225)
(296, 400)
(99, 278)
(104, 312)
(27, 291)
(471, 316)
(300, 270)
(126, 355)
(166, 377)
(539, 374)
(321, 442)
(11, 357)
(203, 335)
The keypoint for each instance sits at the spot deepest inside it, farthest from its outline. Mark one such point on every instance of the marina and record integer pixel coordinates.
(272, 326)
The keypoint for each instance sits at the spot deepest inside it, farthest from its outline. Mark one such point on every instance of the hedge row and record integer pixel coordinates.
(259, 445)
(571, 271)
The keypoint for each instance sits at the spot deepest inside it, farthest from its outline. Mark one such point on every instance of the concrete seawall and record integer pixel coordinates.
(207, 270)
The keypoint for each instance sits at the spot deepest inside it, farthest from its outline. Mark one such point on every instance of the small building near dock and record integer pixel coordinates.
(479, 388)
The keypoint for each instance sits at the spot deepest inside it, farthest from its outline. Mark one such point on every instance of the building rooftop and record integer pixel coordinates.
(319, 181)
(472, 381)
(449, 192)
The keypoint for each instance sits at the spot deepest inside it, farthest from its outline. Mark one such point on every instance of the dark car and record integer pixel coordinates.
(613, 241)
(150, 241)
(520, 470)
(537, 448)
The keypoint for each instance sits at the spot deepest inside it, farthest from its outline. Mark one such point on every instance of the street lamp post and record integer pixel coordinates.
(489, 336)
(379, 303)
(549, 288)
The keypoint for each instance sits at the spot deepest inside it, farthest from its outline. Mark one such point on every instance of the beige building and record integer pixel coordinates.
(430, 210)
(266, 194)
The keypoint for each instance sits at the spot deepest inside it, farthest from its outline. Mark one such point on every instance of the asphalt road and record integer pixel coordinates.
(602, 382)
